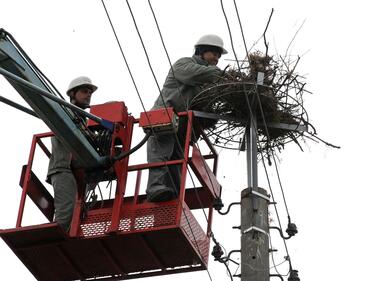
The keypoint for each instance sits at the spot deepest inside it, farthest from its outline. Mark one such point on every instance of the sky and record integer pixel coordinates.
(329, 192)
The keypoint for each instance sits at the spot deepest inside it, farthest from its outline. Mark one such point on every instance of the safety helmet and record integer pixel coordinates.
(81, 81)
(211, 40)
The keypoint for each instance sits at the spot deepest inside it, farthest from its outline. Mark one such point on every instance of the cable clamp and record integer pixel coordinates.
(256, 229)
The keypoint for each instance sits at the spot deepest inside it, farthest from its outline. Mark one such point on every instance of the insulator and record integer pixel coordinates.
(217, 252)
(218, 204)
(292, 229)
(293, 276)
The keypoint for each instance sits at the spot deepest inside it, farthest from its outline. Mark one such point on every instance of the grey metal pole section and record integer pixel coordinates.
(251, 154)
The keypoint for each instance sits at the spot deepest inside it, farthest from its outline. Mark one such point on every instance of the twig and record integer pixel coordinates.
(264, 33)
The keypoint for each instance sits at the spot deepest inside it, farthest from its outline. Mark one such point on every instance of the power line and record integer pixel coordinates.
(141, 98)
(123, 56)
(263, 117)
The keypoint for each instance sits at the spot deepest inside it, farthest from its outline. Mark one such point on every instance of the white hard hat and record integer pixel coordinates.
(81, 81)
(211, 40)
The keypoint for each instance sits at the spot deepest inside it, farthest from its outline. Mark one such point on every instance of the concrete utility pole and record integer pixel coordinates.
(254, 218)
(254, 208)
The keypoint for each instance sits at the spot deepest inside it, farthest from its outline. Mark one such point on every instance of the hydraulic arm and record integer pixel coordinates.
(46, 102)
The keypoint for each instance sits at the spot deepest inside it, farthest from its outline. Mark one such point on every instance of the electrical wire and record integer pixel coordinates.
(151, 66)
(186, 108)
(277, 171)
(239, 20)
(130, 73)
(178, 89)
(134, 81)
(123, 56)
(160, 93)
(193, 131)
(124, 154)
(128, 68)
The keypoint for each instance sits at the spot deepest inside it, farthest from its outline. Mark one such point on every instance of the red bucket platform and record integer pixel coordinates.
(124, 237)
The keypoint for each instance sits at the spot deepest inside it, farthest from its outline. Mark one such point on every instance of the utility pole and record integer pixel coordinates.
(254, 208)
(254, 217)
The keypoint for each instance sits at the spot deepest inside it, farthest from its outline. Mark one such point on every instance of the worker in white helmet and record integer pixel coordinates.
(60, 174)
(184, 80)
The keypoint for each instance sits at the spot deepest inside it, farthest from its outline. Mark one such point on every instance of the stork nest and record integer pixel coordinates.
(262, 89)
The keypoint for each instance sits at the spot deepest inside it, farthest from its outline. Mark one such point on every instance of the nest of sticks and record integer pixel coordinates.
(264, 89)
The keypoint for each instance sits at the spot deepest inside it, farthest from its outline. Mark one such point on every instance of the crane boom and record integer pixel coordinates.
(61, 120)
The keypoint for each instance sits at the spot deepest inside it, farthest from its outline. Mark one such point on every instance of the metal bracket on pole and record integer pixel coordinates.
(256, 229)
(256, 193)
(260, 195)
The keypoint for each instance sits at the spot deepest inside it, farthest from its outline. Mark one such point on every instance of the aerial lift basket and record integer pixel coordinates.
(122, 237)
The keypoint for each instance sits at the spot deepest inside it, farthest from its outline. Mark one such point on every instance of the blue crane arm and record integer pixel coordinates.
(59, 118)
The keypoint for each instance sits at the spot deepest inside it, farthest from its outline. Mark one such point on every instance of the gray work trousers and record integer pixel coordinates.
(162, 148)
(65, 189)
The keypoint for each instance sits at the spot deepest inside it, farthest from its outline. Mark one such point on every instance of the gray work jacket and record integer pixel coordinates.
(184, 80)
(60, 159)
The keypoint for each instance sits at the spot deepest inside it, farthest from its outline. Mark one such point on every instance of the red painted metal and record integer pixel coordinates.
(118, 112)
(124, 237)
(26, 181)
(39, 194)
(120, 167)
(137, 186)
(206, 177)
(159, 119)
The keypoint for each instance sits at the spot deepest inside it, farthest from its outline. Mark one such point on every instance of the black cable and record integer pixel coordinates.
(123, 56)
(238, 65)
(193, 132)
(286, 248)
(227, 258)
(273, 198)
(128, 67)
(230, 273)
(185, 102)
(277, 275)
(165, 50)
(134, 81)
(158, 89)
(130, 72)
(157, 84)
(186, 108)
(133, 149)
(265, 125)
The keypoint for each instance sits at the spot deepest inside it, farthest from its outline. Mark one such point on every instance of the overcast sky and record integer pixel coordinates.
(329, 192)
